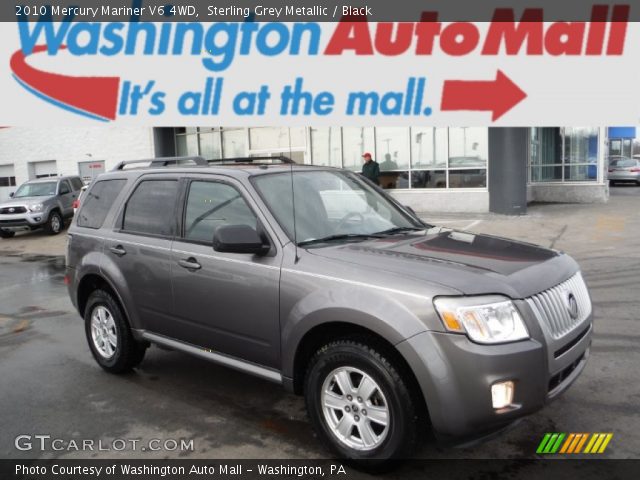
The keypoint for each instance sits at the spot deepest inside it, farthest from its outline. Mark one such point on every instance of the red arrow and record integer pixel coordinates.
(94, 95)
(499, 95)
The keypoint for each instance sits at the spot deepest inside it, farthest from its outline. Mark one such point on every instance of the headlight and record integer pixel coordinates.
(35, 208)
(490, 319)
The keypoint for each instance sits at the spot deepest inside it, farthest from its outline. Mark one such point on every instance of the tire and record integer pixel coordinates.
(368, 443)
(109, 335)
(7, 234)
(54, 224)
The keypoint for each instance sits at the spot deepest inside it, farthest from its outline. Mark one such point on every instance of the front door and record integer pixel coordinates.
(225, 302)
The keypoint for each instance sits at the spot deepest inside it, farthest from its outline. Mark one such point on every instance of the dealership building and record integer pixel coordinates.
(455, 169)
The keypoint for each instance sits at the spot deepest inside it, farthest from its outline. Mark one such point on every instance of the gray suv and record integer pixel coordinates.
(42, 203)
(315, 279)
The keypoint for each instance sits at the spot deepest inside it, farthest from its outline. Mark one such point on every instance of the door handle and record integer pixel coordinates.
(190, 264)
(118, 250)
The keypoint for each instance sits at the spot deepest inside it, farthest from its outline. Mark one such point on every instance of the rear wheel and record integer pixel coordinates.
(109, 335)
(7, 234)
(359, 404)
(54, 223)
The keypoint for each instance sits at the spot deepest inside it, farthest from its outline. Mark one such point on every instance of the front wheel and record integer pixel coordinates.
(359, 404)
(109, 335)
(54, 224)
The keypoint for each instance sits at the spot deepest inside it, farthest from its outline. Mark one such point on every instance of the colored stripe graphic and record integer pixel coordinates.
(573, 443)
(95, 97)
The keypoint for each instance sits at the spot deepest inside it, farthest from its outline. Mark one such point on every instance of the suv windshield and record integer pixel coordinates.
(331, 206)
(44, 189)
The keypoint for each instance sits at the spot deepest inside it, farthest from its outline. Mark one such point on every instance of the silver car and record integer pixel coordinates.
(316, 279)
(41, 203)
(624, 170)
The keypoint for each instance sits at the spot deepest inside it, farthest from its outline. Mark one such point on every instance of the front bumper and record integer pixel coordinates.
(22, 221)
(456, 375)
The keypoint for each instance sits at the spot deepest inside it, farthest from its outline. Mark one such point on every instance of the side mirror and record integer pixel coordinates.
(64, 190)
(238, 239)
(12, 194)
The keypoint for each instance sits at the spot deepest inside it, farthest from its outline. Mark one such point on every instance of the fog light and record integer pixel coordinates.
(38, 219)
(502, 394)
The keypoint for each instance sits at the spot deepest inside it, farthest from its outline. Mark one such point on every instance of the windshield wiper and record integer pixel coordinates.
(341, 236)
(394, 230)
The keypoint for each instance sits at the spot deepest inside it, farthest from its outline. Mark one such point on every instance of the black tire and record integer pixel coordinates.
(7, 234)
(54, 224)
(127, 352)
(353, 356)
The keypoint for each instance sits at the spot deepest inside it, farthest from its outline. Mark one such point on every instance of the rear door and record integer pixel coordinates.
(225, 302)
(66, 197)
(140, 249)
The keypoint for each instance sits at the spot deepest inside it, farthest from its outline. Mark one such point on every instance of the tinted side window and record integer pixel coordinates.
(211, 204)
(64, 187)
(97, 201)
(151, 208)
(76, 183)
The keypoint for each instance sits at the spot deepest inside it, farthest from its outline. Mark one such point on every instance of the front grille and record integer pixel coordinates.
(7, 210)
(553, 310)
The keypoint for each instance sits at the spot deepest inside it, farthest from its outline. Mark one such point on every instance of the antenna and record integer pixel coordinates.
(293, 204)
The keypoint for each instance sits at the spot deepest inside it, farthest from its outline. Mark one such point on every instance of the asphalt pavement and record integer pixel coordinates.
(50, 384)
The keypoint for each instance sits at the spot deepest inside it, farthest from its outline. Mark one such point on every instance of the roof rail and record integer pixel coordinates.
(163, 162)
(280, 158)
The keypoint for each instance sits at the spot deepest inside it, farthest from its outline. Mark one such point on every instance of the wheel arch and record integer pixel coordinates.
(92, 282)
(324, 333)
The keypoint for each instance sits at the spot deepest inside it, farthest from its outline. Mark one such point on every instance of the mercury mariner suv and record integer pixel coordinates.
(42, 203)
(317, 280)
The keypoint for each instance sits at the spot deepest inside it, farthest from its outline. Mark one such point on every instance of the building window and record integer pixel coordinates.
(198, 141)
(7, 181)
(409, 158)
(564, 154)
(355, 142)
(326, 146)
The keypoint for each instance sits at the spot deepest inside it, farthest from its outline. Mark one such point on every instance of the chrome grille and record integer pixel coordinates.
(553, 310)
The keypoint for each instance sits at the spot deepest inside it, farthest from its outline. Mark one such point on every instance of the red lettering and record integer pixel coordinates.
(618, 32)
(459, 38)
(387, 45)
(426, 31)
(350, 35)
(595, 38)
(503, 29)
(564, 38)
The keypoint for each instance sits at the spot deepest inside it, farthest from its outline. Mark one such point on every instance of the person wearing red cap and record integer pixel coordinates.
(370, 168)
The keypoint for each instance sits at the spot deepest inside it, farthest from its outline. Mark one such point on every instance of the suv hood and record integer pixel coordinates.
(470, 263)
(24, 201)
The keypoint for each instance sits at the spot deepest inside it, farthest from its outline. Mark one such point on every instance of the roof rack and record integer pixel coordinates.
(249, 160)
(163, 162)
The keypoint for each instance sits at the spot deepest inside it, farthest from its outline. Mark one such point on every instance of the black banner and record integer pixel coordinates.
(454, 469)
(318, 11)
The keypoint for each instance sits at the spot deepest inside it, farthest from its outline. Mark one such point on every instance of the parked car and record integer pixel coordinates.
(76, 202)
(41, 203)
(624, 170)
(313, 278)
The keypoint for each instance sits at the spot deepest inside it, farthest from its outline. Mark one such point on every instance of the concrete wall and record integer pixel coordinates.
(568, 193)
(69, 145)
(441, 200)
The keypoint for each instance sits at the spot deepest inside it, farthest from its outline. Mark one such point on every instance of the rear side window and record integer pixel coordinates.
(151, 208)
(76, 183)
(97, 202)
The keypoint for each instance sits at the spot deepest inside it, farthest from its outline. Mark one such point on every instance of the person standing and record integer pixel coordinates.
(371, 169)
